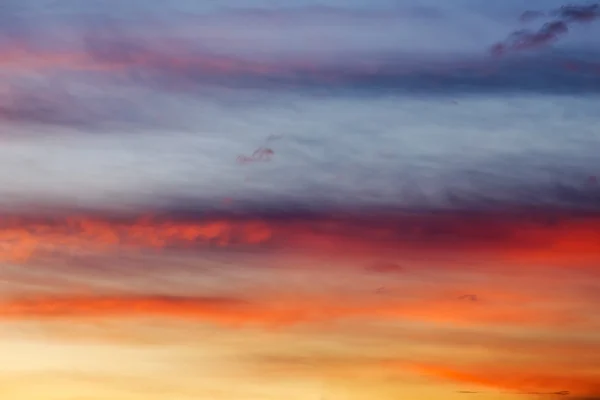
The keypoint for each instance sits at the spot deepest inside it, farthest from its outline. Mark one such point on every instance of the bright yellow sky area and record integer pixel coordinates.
(154, 360)
(308, 327)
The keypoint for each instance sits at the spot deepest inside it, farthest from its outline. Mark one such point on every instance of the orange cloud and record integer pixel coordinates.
(107, 305)
(280, 311)
(513, 379)
(22, 238)
(567, 241)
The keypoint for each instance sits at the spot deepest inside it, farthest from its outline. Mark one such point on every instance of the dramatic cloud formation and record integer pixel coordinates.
(321, 299)
(319, 199)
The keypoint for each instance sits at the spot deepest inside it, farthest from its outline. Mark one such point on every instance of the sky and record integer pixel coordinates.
(328, 200)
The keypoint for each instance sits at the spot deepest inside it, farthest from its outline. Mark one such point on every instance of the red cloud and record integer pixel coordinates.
(571, 239)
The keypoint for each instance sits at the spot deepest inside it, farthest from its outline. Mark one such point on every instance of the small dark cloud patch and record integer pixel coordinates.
(469, 297)
(262, 154)
(525, 39)
(578, 13)
(550, 32)
(559, 393)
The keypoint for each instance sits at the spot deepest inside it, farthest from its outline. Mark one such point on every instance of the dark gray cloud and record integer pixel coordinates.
(578, 13)
(161, 94)
(551, 31)
(524, 40)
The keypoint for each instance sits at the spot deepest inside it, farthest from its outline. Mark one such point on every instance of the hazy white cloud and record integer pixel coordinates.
(355, 149)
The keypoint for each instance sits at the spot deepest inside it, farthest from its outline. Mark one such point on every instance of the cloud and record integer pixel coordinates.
(90, 306)
(524, 40)
(56, 105)
(92, 234)
(143, 70)
(157, 91)
(515, 379)
(551, 31)
(128, 83)
(505, 235)
(578, 13)
(291, 304)
(186, 53)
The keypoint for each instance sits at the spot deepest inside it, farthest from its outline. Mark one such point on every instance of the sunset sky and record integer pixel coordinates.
(316, 200)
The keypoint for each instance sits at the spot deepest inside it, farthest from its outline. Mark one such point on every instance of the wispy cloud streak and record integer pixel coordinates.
(511, 236)
(187, 53)
(551, 31)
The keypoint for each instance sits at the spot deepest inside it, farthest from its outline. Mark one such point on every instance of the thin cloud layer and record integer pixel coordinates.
(426, 225)
(515, 237)
(187, 53)
(418, 330)
(140, 62)
(513, 380)
(267, 310)
(91, 306)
